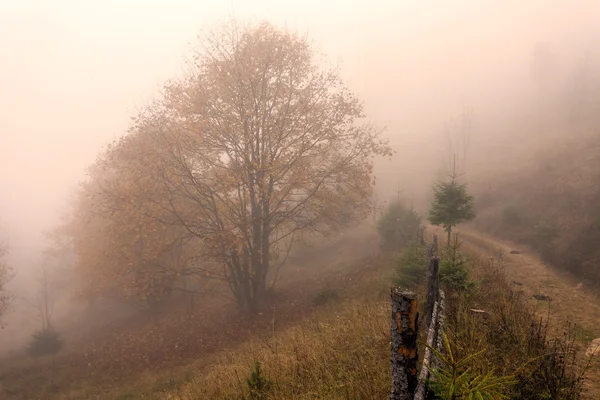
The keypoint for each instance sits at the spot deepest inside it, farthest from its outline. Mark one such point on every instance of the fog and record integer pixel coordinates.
(73, 72)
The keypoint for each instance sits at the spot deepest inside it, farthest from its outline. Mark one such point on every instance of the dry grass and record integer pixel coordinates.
(339, 351)
(515, 341)
(339, 354)
(141, 356)
(342, 352)
(569, 304)
(315, 302)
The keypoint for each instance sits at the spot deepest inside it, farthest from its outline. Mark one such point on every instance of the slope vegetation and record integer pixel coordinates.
(549, 200)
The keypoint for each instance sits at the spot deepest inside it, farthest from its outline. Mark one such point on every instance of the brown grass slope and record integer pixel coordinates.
(125, 352)
(342, 351)
(528, 275)
(328, 337)
(549, 200)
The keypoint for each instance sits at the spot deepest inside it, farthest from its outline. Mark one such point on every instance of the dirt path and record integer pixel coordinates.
(569, 300)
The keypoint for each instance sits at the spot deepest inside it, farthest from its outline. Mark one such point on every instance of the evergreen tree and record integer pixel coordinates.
(451, 204)
(399, 225)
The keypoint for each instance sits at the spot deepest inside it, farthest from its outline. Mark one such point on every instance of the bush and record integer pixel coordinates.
(456, 380)
(455, 276)
(258, 384)
(325, 296)
(412, 266)
(44, 342)
(399, 225)
(455, 272)
(511, 215)
(546, 230)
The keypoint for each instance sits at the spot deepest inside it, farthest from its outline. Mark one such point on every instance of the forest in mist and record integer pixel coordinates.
(314, 118)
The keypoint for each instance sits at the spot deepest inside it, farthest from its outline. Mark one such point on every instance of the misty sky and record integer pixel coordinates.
(73, 71)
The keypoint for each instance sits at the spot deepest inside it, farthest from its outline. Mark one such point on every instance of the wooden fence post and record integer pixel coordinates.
(441, 322)
(432, 248)
(433, 287)
(432, 317)
(404, 357)
(427, 357)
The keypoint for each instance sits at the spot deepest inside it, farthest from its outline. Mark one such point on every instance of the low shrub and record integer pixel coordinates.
(412, 267)
(258, 384)
(455, 271)
(325, 296)
(456, 380)
(512, 215)
(45, 341)
(398, 226)
(546, 230)
(456, 276)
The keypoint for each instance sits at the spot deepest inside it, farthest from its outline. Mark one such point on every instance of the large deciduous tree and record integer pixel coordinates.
(257, 146)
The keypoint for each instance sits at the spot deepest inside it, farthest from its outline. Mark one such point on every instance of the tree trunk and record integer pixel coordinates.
(404, 357)
(449, 234)
(240, 278)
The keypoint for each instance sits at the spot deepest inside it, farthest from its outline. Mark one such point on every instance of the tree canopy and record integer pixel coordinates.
(255, 147)
(451, 205)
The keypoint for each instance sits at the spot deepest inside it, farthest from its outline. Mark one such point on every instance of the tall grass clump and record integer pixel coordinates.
(515, 342)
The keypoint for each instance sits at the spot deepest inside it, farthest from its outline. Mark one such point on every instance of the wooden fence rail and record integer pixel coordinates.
(406, 383)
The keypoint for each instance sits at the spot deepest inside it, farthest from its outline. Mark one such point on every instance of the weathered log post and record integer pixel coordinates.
(432, 247)
(404, 357)
(428, 356)
(433, 287)
(440, 327)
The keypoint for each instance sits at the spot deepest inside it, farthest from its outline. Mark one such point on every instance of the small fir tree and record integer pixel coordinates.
(451, 204)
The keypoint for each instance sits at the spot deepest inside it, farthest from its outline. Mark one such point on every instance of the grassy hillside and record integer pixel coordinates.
(342, 351)
(112, 359)
(550, 201)
(321, 339)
